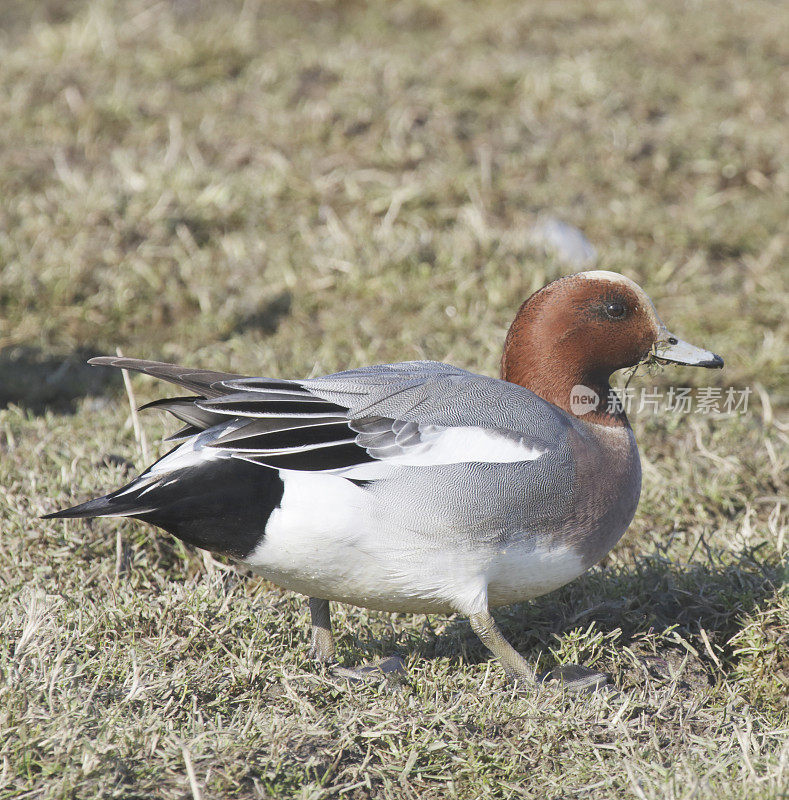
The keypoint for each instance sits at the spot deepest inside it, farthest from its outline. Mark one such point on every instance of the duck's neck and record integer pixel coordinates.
(557, 372)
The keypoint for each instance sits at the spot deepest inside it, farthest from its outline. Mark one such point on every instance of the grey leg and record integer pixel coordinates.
(513, 662)
(322, 647)
(572, 677)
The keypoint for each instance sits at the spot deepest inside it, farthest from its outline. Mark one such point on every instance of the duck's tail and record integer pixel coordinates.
(100, 507)
(222, 505)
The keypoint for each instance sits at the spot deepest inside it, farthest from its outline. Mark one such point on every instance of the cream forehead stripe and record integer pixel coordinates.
(615, 277)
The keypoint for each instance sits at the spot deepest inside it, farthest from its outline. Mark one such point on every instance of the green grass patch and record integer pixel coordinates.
(294, 188)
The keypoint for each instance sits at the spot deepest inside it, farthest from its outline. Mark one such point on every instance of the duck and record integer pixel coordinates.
(418, 486)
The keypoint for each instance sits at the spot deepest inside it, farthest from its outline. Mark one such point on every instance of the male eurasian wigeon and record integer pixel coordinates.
(418, 486)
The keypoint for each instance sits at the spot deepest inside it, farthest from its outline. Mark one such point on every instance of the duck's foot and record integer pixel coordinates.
(322, 651)
(575, 678)
(390, 668)
(571, 677)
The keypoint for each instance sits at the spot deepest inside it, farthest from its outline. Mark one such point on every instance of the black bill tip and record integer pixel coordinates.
(716, 362)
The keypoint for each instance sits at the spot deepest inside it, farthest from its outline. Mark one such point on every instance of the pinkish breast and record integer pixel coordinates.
(607, 488)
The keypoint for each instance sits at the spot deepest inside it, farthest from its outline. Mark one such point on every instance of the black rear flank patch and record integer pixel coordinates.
(222, 505)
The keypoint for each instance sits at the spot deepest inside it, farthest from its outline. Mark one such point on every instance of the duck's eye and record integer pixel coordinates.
(615, 310)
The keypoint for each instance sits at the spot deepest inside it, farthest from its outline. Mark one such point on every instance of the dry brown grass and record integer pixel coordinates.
(292, 188)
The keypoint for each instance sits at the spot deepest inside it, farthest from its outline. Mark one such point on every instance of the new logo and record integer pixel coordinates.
(583, 400)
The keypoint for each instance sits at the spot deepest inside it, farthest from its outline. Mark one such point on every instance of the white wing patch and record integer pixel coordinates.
(439, 446)
(457, 445)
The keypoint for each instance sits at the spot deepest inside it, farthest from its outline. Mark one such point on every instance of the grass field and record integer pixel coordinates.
(292, 188)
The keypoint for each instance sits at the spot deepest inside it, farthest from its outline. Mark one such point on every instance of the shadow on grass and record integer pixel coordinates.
(268, 317)
(38, 381)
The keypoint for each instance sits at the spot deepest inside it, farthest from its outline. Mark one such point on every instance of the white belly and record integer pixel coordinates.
(330, 539)
(517, 572)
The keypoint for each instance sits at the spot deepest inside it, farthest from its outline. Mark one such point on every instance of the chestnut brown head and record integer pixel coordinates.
(578, 330)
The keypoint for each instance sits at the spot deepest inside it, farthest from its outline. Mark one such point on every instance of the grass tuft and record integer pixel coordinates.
(294, 188)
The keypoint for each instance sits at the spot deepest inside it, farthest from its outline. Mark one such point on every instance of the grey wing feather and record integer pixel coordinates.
(184, 408)
(196, 380)
(431, 393)
(394, 408)
(366, 414)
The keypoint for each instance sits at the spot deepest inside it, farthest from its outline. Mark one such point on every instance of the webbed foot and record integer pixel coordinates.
(392, 667)
(575, 678)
